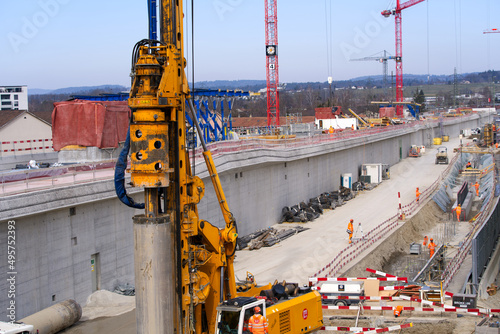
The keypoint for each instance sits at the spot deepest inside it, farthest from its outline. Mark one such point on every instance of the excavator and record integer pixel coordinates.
(184, 275)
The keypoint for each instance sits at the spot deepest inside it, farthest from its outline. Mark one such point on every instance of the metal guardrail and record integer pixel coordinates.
(220, 148)
(23, 181)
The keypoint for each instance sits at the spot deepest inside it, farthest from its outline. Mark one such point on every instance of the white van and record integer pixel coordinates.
(15, 328)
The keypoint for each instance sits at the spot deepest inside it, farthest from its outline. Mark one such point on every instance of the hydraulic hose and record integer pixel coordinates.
(121, 166)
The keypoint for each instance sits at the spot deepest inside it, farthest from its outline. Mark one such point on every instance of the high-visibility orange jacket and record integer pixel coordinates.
(417, 193)
(398, 311)
(425, 241)
(459, 211)
(257, 324)
(350, 228)
(432, 248)
(477, 188)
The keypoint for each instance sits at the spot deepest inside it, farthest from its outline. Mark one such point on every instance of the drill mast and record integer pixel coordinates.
(183, 264)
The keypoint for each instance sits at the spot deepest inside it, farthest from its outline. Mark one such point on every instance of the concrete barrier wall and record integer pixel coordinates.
(54, 249)
(54, 243)
(11, 161)
(257, 191)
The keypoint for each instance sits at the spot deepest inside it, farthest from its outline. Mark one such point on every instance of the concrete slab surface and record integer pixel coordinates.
(302, 255)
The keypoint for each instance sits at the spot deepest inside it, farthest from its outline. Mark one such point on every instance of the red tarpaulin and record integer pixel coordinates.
(89, 123)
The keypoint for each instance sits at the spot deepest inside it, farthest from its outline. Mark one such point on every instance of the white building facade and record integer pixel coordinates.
(13, 97)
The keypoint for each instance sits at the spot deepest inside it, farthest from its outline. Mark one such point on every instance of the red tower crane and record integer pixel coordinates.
(491, 31)
(399, 49)
(273, 104)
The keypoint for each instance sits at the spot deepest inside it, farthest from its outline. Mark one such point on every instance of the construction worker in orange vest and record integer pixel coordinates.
(432, 248)
(468, 165)
(257, 324)
(477, 188)
(398, 311)
(425, 241)
(458, 210)
(350, 230)
(417, 193)
(352, 127)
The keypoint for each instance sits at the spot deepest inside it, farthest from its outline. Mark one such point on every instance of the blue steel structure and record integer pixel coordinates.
(215, 124)
(414, 108)
(152, 19)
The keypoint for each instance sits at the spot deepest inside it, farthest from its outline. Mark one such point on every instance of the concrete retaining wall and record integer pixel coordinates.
(10, 162)
(58, 230)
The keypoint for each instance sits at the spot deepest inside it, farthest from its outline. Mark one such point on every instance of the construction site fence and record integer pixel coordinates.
(478, 222)
(353, 250)
(21, 147)
(27, 180)
(286, 142)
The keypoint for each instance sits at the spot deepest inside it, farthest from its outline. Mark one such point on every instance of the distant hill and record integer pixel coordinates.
(247, 85)
(255, 85)
(78, 90)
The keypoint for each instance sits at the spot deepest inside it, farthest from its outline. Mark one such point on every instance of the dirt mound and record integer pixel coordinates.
(104, 303)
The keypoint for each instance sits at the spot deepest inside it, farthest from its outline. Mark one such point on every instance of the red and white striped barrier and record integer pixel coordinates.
(346, 329)
(391, 288)
(362, 330)
(380, 273)
(31, 143)
(349, 279)
(387, 329)
(380, 288)
(400, 211)
(378, 298)
(474, 311)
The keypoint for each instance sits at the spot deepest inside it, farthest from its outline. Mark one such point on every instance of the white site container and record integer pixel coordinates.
(374, 171)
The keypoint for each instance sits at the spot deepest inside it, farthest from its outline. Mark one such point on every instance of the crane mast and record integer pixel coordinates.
(382, 59)
(272, 72)
(183, 264)
(399, 48)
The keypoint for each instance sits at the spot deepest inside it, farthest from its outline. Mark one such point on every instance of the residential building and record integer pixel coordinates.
(13, 97)
(22, 132)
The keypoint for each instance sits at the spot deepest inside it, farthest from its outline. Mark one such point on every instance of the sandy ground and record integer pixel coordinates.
(302, 255)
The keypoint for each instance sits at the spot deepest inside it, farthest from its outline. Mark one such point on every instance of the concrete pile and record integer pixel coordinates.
(266, 237)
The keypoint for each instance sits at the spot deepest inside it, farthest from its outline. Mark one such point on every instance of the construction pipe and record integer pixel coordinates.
(154, 275)
(55, 318)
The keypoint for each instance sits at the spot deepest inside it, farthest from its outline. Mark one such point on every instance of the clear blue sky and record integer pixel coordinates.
(60, 43)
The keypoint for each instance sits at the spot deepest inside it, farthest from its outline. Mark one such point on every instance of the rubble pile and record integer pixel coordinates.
(267, 237)
(306, 212)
